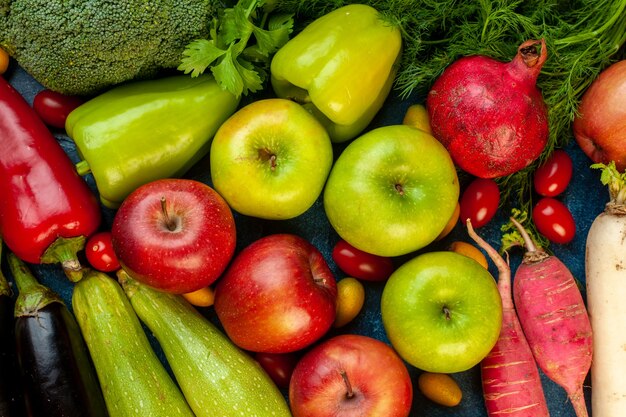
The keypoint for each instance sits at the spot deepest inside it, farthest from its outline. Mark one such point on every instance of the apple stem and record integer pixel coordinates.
(350, 392)
(266, 154)
(171, 225)
(446, 311)
(399, 189)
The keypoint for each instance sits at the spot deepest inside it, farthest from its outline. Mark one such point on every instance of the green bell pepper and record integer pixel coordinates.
(147, 130)
(341, 67)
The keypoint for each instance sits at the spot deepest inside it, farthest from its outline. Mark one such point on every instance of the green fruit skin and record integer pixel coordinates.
(242, 173)
(146, 130)
(133, 379)
(216, 377)
(412, 312)
(391, 191)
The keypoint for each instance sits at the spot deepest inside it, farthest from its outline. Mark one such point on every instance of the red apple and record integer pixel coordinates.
(600, 123)
(279, 366)
(277, 296)
(351, 375)
(176, 235)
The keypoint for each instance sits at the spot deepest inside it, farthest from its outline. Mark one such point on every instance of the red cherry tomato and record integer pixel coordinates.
(100, 254)
(361, 265)
(552, 177)
(554, 220)
(53, 107)
(279, 366)
(479, 202)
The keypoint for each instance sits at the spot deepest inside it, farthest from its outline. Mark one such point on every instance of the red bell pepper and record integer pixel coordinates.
(46, 209)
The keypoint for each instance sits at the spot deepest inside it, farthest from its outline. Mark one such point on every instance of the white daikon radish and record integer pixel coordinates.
(605, 265)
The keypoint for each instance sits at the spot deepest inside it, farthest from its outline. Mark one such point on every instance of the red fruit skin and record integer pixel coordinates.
(43, 197)
(361, 265)
(554, 220)
(379, 379)
(191, 256)
(100, 254)
(510, 379)
(552, 177)
(53, 107)
(479, 202)
(279, 366)
(277, 296)
(489, 114)
(545, 293)
(600, 126)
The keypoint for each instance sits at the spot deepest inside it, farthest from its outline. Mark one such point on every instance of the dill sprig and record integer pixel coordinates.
(583, 37)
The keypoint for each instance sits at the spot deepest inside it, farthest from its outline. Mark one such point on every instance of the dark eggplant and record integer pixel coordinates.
(57, 374)
(11, 401)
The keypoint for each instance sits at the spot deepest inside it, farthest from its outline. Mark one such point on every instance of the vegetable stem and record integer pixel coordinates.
(615, 181)
(23, 277)
(83, 168)
(5, 289)
(530, 245)
(32, 295)
(65, 250)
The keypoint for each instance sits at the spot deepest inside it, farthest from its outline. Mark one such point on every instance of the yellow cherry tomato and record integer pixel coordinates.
(4, 61)
(451, 223)
(350, 299)
(440, 388)
(417, 116)
(203, 297)
(470, 251)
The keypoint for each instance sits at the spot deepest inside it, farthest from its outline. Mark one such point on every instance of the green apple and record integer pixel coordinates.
(391, 191)
(442, 312)
(271, 159)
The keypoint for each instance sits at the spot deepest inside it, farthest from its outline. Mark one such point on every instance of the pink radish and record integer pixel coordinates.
(605, 265)
(510, 378)
(554, 319)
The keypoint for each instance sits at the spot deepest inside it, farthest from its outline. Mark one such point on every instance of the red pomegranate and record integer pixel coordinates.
(490, 115)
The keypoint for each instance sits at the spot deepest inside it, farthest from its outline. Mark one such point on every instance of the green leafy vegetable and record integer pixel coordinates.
(615, 180)
(511, 236)
(238, 63)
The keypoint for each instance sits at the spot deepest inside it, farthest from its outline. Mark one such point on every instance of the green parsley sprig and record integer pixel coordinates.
(242, 41)
(511, 237)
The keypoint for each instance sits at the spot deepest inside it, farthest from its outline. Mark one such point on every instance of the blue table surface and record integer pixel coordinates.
(585, 197)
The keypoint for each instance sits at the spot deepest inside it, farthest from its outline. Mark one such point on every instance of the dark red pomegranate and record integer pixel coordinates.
(490, 115)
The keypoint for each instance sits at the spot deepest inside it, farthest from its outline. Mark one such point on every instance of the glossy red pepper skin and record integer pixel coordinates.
(42, 196)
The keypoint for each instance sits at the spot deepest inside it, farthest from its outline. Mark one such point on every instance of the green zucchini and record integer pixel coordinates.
(133, 379)
(217, 378)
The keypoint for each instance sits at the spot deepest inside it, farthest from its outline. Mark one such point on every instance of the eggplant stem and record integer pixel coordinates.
(5, 288)
(32, 295)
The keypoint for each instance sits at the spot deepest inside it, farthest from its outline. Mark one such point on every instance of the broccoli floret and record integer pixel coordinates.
(80, 47)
